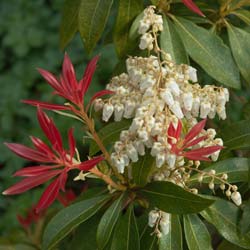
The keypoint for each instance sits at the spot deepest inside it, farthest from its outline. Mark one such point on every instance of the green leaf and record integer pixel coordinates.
(240, 138)
(236, 168)
(239, 43)
(93, 16)
(245, 218)
(109, 134)
(197, 236)
(225, 245)
(126, 235)
(172, 240)
(209, 51)
(148, 241)
(69, 218)
(171, 43)
(174, 199)
(128, 10)
(108, 222)
(224, 216)
(69, 23)
(133, 32)
(142, 169)
(244, 15)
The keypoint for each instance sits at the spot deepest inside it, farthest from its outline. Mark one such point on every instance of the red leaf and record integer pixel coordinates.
(72, 143)
(41, 146)
(48, 196)
(178, 130)
(195, 141)
(194, 131)
(87, 165)
(87, 77)
(34, 170)
(46, 105)
(192, 6)
(203, 151)
(30, 182)
(27, 153)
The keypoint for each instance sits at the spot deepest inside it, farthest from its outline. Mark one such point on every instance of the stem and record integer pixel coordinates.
(107, 179)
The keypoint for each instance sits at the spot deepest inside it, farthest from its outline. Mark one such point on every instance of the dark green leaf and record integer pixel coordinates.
(209, 51)
(236, 168)
(69, 218)
(240, 47)
(108, 222)
(244, 15)
(126, 235)
(148, 241)
(69, 23)
(246, 111)
(197, 236)
(172, 240)
(128, 10)
(171, 43)
(225, 245)
(245, 219)
(174, 199)
(142, 169)
(109, 134)
(240, 138)
(93, 16)
(224, 215)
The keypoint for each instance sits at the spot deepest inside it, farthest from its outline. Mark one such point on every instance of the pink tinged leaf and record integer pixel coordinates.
(46, 105)
(178, 130)
(49, 195)
(195, 141)
(194, 131)
(72, 143)
(41, 146)
(34, 170)
(24, 222)
(87, 77)
(51, 79)
(203, 151)
(27, 153)
(66, 198)
(193, 7)
(63, 178)
(31, 182)
(171, 130)
(87, 165)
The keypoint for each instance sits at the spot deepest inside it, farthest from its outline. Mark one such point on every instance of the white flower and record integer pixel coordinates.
(108, 110)
(146, 41)
(188, 101)
(160, 159)
(153, 217)
(129, 109)
(192, 74)
(171, 158)
(165, 223)
(144, 25)
(236, 198)
(132, 152)
(167, 97)
(176, 109)
(119, 109)
(204, 110)
(174, 88)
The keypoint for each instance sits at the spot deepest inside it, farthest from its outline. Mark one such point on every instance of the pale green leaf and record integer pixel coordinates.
(69, 23)
(69, 218)
(171, 43)
(172, 240)
(174, 199)
(224, 215)
(209, 51)
(197, 236)
(239, 43)
(128, 10)
(126, 235)
(93, 16)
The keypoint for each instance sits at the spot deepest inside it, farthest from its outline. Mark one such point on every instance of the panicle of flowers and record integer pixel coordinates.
(54, 161)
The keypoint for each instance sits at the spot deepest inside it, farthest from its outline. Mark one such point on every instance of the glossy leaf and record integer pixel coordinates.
(69, 218)
(224, 215)
(128, 10)
(239, 43)
(244, 15)
(126, 235)
(225, 245)
(109, 134)
(240, 138)
(171, 43)
(197, 236)
(245, 218)
(209, 51)
(236, 168)
(93, 16)
(142, 169)
(172, 240)
(108, 222)
(147, 240)
(69, 23)
(174, 199)
(133, 32)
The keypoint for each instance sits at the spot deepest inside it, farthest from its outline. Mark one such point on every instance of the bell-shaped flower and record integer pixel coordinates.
(54, 161)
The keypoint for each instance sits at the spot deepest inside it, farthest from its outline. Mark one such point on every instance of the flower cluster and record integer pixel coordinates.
(148, 26)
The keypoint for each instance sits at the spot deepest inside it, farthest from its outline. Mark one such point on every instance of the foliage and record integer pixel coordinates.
(215, 44)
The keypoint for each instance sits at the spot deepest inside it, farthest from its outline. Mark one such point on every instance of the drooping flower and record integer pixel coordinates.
(180, 146)
(68, 87)
(54, 160)
(193, 7)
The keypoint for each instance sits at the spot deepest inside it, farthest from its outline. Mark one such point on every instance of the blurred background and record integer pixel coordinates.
(29, 39)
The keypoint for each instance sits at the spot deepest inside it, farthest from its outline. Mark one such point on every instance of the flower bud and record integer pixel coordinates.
(236, 198)
(152, 218)
(108, 110)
